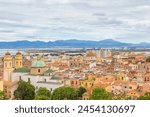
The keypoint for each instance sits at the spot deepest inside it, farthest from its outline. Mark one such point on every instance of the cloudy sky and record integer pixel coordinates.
(49, 20)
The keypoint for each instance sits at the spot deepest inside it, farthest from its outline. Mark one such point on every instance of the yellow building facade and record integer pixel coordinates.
(121, 77)
(7, 74)
(88, 83)
(1, 84)
(8, 67)
(18, 60)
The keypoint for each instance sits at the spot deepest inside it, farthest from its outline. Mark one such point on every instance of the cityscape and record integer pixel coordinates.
(74, 50)
(75, 74)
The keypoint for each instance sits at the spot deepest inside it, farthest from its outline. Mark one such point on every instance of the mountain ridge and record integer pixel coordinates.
(106, 43)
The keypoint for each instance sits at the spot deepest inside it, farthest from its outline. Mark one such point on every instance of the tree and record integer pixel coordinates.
(148, 59)
(25, 91)
(1, 95)
(41, 97)
(81, 91)
(146, 96)
(43, 94)
(64, 93)
(100, 94)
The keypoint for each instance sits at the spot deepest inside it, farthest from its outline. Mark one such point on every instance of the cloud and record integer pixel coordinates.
(48, 20)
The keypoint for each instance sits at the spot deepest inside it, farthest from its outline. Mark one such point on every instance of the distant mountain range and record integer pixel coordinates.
(108, 43)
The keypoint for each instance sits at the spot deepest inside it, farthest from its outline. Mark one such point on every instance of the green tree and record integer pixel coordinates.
(64, 93)
(81, 91)
(146, 96)
(41, 97)
(148, 59)
(100, 94)
(1, 95)
(25, 91)
(43, 94)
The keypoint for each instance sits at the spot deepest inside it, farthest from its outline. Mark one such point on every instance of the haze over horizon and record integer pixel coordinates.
(49, 20)
(72, 40)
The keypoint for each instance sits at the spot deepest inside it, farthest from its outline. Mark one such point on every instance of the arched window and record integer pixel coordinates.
(86, 84)
(145, 79)
(39, 70)
(19, 78)
(17, 63)
(5, 64)
(29, 80)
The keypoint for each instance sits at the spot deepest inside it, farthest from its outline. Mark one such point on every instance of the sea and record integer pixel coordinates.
(24, 51)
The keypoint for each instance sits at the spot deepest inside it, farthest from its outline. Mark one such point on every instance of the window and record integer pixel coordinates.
(44, 80)
(29, 80)
(19, 78)
(86, 84)
(39, 70)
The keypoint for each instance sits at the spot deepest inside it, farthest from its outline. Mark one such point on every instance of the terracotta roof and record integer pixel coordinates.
(147, 75)
(91, 54)
(146, 87)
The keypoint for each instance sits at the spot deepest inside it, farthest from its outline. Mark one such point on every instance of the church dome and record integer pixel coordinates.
(7, 53)
(18, 53)
(38, 64)
(18, 56)
(7, 56)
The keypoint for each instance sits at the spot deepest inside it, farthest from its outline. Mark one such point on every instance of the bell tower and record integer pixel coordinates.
(8, 83)
(18, 60)
(7, 67)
